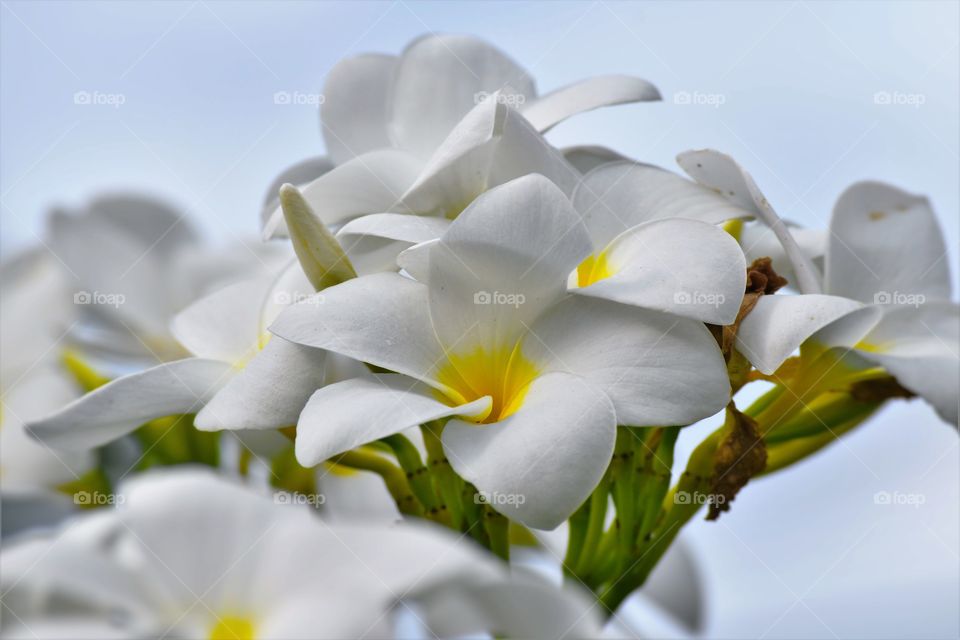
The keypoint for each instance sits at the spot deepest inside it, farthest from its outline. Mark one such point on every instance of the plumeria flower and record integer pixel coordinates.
(888, 288)
(187, 554)
(31, 379)
(412, 102)
(535, 381)
(235, 374)
(409, 135)
(135, 262)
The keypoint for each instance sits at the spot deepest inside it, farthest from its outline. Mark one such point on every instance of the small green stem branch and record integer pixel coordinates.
(447, 484)
(393, 477)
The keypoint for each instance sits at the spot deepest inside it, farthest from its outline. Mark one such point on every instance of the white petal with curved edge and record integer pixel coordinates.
(369, 183)
(920, 347)
(586, 158)
(658, 369)
(381, 318)
(124, 404)
(539, 464)
(373, 243)
(502, 262)
(722, 173)
(355, 412)
(269, 392)
(493, 144)
(600, 91)
(619, 195)
(416, 260)
(885, 243)
(526, 607)
(685, 267)
(759, 241)
(439, 79)
(224, 325)
(778, 324)
(298, 174)
(356, 105)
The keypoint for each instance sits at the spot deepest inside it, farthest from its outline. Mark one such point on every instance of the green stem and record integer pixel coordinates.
(418, 476)
(598, 512)
(393, 477)
(447, 484)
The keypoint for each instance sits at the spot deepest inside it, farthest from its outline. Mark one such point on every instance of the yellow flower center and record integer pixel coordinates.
(594, 268)
(504, 374)
(233, 628)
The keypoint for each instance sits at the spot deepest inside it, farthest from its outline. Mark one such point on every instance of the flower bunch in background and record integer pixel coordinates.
(452, 338)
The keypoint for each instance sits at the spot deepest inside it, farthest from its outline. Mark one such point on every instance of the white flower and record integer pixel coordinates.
(134, 262)
(236, 377)
(36, 314)
(537, 380)
(430, 130)
(189, 555)
(889, 287)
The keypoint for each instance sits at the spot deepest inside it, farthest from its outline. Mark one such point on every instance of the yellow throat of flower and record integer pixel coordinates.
(504, 374)
(594, 268)
(233, 628)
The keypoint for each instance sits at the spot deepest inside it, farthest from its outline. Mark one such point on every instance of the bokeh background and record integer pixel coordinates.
(809, 96)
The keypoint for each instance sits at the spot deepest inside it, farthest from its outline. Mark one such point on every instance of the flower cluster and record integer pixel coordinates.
(452, 324)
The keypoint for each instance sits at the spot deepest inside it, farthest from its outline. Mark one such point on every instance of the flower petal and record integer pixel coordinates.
(369, 183)
(586, 158)
(720, 172)
(619, 195)
(373, 243)
(920, 347)
(504, 260)
(779, 324)
(586, 95)
(658, 369)
(381, 318)
(885, 242)
(320, 254)
(356, 104)
(540, 463)
(224, 325)
(685, 267)
(439, 79)
(355, 412)
(124, 404)
(269, 392)
(493, 144)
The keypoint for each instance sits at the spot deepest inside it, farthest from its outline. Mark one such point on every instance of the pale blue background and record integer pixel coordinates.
(805, 554)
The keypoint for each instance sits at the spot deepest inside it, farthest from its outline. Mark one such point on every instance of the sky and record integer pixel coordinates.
(178, 99)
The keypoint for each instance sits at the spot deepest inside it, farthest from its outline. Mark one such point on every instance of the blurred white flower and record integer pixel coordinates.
(189, 555)
(889, 286)
(133, 262)
(492, 338)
